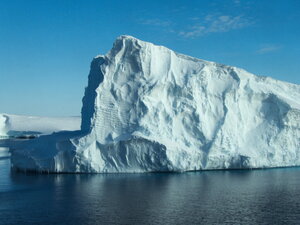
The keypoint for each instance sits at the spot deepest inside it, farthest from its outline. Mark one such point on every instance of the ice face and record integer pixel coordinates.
(147, 108)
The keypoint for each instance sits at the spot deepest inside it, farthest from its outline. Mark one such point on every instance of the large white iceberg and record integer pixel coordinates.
(148, 108)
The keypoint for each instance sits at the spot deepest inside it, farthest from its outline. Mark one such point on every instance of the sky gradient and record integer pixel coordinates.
(47, 46)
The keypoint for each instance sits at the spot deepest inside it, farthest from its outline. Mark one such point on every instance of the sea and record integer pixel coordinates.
(268, 196)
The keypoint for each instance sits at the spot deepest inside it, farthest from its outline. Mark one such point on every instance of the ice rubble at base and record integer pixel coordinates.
(147, 108)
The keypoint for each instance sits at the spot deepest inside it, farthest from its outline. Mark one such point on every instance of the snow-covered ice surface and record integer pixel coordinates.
(16, 125)
(147, 108)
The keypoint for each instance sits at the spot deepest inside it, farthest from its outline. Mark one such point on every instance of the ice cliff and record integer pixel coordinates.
(148, 108)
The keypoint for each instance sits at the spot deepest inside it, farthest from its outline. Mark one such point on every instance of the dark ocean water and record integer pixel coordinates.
(213, 197)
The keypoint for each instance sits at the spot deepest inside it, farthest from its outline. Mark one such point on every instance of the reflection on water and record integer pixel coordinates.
(214, 197)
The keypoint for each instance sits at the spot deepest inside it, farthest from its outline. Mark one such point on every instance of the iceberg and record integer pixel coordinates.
(3, 125)
(18, 125)
(147, 108)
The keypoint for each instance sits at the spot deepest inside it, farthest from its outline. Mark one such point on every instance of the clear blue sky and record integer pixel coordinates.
(46, 46)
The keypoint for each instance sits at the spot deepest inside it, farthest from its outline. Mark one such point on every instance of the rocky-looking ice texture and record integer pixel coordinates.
(147, 108)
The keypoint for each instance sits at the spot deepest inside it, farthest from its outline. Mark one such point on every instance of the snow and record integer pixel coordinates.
(147, 108)
(17, 125)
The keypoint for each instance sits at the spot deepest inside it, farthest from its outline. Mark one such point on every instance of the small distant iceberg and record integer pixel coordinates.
(4, 126)
(14, 126)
